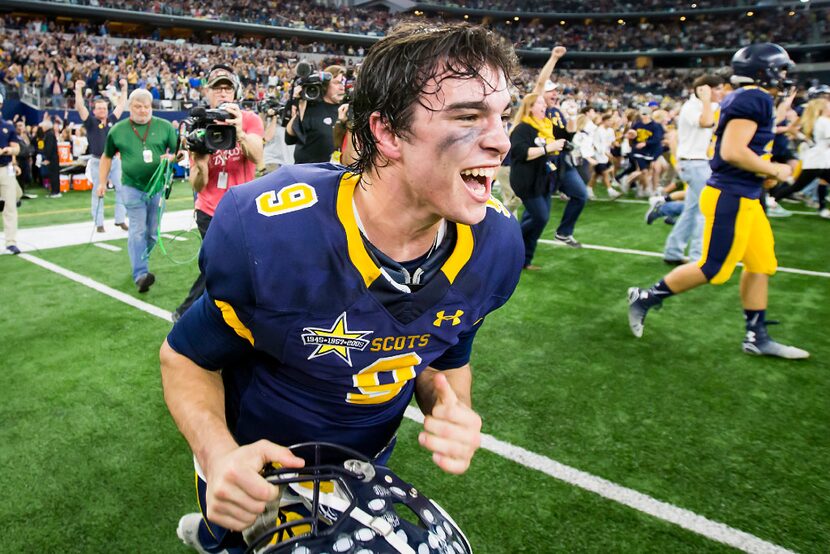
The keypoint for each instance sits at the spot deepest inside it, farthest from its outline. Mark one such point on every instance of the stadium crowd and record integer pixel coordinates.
(172, 71)
(608, 35)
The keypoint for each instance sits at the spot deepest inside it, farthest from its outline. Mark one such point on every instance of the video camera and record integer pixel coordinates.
(201, 133)
(313, 83)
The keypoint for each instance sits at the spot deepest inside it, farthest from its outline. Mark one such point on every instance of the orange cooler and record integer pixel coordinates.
(64, 152)
(80, 182)
(65, 179)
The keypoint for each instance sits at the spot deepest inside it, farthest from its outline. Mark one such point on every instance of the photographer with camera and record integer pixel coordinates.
(217, 161)
(310, 128)
(275, 152)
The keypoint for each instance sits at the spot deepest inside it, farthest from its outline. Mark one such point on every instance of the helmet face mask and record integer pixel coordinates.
(341, 502)
(764, 64)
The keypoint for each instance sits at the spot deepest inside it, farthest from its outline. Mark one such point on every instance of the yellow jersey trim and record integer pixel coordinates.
(360, 257)
(357, 250)
(462, 253)
(230, 317)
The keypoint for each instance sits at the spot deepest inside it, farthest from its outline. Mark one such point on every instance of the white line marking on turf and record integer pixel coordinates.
(628, 497)
(660, 255)
(662, 510)
(106, 246)
(100, 287)
(173, 237)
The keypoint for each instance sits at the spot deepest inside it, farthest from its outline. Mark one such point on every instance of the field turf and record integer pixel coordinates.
(92, 462)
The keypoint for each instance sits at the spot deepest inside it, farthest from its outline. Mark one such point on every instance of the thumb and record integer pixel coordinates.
(445, 392)
(270, 452)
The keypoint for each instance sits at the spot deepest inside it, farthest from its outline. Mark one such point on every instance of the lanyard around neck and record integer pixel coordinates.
(146, 131)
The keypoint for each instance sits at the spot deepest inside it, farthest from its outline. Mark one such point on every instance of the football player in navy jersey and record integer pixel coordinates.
(736, 228)
(335, 295)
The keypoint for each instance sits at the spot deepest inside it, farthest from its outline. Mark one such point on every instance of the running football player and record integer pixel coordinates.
(333, 296)
(736, 228)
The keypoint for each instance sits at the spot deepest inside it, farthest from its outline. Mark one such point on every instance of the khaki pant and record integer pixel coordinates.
(10, 193)
(508, 197)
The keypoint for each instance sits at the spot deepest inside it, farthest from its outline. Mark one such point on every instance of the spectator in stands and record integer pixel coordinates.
(97, 126)
(211, 175)
(143, 142)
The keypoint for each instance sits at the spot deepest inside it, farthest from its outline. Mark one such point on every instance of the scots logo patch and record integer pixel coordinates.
(337, 340)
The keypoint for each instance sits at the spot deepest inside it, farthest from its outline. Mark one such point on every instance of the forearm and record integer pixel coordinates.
(707, 116)
(251, 145)
(196, 400)
(536, 152)
(460, 379)
(545, 74)
(104, 170)
(198, 176)
(746, 159)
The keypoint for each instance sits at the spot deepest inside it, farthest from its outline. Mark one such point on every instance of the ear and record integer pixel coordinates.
(388, 143)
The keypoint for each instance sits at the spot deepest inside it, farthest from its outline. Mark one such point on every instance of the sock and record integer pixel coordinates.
(657, 293)
(754, 319)
(822, 197)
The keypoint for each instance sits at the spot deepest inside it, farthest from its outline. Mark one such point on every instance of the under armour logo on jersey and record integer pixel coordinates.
(441, 318)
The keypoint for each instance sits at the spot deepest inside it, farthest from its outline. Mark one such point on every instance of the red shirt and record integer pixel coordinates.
(239, 169)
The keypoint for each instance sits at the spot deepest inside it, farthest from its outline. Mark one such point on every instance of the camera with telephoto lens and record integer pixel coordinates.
(313, 83)
(202, 134)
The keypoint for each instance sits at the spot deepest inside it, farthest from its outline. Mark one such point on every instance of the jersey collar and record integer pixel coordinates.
(360, 257)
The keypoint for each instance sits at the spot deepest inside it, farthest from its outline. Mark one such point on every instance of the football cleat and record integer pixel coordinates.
(653, 212)
(759, 343)
(188, 532)
(638, 308)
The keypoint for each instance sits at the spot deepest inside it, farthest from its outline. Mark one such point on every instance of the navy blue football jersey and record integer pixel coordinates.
(314, 340)
(650, 133)
(756, 105)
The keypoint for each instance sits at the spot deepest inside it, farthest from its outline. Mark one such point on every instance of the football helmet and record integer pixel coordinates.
(341, 502)
(818, 90)
(764, 64)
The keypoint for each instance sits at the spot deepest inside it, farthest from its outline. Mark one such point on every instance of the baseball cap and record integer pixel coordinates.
(219, 74)
(550, 85)
(645, 110)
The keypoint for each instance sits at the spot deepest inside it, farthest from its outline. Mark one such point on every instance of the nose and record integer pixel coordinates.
(495, 137)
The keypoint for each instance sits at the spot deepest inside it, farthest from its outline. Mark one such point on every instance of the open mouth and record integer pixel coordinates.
(479, 181)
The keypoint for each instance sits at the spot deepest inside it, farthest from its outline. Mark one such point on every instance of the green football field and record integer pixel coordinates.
(596, 441)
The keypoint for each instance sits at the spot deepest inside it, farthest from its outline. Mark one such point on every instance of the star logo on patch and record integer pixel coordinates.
(337, 340)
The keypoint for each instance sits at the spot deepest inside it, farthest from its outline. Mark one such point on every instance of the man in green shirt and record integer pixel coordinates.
(143, 141)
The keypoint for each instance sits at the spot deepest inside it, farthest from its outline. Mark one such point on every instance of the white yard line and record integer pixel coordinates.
(100, 287)
(105, 246)
(69, 234)
(662, 510)
(173, 237)
(660, 255)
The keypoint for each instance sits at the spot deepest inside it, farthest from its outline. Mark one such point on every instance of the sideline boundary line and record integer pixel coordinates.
(670, 513)
(660, 255)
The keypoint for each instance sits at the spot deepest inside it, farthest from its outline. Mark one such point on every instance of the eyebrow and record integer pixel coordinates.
(476, 105)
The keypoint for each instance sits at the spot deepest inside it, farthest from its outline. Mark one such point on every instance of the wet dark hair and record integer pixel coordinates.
(398, 68)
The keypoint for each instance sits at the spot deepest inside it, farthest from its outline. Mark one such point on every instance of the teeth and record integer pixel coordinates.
(480, 172)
